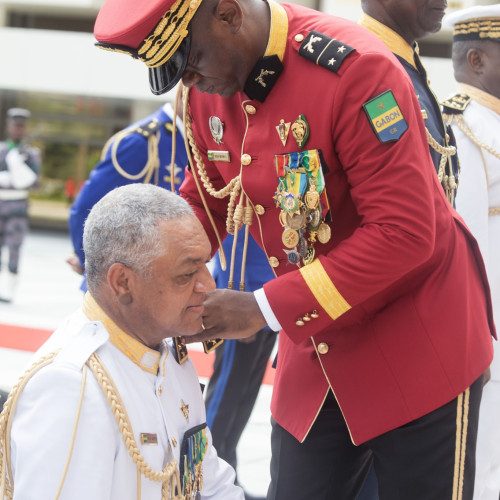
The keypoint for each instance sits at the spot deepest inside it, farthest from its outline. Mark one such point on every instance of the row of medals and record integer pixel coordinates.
(300, 217)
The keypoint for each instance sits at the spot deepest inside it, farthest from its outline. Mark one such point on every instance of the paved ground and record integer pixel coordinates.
(48, 291)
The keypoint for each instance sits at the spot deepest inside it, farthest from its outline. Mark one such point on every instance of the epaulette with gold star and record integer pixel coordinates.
(324, 51)
(151, 127)
(456, 104)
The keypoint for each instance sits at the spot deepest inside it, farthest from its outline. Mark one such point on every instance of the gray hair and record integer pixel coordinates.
(123, 227)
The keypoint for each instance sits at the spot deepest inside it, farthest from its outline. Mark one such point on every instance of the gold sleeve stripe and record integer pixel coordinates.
(324, 290)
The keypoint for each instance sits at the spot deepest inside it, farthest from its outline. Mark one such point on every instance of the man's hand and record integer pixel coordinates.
(229, 314)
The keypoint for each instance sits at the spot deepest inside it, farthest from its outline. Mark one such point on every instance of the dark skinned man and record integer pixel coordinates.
(311, 128)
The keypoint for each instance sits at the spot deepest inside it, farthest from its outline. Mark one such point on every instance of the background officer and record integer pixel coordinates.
(399, 25)
(19, 169)
(141, 153)
(474, 112)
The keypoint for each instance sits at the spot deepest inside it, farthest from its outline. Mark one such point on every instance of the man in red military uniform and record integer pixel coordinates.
(314, 139)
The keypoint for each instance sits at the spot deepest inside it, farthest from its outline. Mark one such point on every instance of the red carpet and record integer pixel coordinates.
(30, 339)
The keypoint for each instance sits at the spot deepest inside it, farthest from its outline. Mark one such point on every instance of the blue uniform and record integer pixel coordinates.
(239, 367)
(140, 153)
(441, 140)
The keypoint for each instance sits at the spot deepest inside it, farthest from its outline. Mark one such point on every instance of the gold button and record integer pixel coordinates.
(299, 322)
(314, 314)
(260, 210)
(160, 390)
(299, 37)
(274, 262)
(250, 109)
(323, 348)
(246, 159)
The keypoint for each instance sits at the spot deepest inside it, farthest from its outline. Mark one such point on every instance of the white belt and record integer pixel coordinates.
(13, 194)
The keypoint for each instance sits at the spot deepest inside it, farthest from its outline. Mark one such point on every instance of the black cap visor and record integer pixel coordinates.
(164, 78)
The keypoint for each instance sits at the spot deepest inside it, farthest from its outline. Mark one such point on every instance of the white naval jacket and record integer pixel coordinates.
(478, 199)
(100, 467)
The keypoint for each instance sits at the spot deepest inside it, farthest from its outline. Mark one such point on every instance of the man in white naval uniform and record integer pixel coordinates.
(116, 415)
(475, 116)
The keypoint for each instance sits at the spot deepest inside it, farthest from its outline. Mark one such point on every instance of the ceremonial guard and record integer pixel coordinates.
(474, 114)
(311, 129)
(141, 152)
(398, 27)
(19, 170)
(107, 411)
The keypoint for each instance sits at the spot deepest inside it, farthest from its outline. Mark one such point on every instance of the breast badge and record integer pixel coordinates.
(216, 128)
(283, 129)
(300, 130)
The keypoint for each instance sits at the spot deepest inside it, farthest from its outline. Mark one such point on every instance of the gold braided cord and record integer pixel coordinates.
(169, 475)
(73, 436)
(232, 189)
(174, 137)
(6, 477)
(152, 165)
(447, 179)
(464, 127)
(185, 114)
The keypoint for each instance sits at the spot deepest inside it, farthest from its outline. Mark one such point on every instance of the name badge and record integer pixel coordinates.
(219, 156)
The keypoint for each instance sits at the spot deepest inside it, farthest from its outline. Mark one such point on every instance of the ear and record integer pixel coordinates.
(230, 13)
(120, 280)
(475, 60)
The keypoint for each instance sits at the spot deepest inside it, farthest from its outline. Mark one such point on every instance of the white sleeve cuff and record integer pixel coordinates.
(266, 310)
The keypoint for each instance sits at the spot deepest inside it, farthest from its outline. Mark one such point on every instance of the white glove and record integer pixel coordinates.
(22, 177)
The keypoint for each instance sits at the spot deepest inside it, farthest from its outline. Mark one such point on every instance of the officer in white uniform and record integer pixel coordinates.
(474, 112)
(115, 414)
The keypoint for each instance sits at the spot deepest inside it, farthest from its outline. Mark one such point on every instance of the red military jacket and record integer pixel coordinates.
(394, 313)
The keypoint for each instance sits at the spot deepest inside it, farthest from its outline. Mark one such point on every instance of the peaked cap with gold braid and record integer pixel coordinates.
(480, 22)
(152, 31)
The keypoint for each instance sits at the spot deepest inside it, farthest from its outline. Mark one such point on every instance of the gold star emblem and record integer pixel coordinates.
(341, 49)
(185, 410)
(331, 62)
(177, 170)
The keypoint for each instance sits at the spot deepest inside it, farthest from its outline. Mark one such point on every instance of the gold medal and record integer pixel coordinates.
(324, 233)
(309, 256)
(312, 199)
(185, 410)
(300, 130)
(290, 203)
(290, 238)
(313, 219)
(283, 218)
(296, 220)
